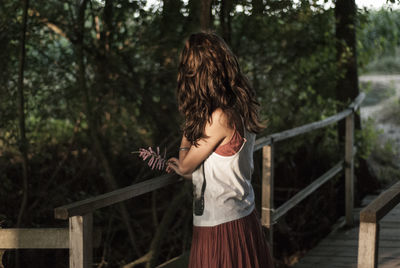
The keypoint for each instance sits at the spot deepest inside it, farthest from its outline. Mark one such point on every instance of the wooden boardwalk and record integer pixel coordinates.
(340, 248)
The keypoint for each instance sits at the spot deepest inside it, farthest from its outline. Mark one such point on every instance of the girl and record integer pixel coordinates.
(216, 152)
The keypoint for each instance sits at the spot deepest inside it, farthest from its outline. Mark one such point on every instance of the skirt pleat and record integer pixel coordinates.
(235, 244)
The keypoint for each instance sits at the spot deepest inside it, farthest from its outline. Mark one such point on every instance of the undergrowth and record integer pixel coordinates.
(381, 153)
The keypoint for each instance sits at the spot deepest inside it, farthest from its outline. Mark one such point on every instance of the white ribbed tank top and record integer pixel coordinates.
(228, 192)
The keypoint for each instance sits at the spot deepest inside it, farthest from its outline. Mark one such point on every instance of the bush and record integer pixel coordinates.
(384, 65)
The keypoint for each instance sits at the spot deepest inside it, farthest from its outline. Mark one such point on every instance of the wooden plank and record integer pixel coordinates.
(393, 225)
(333, 251)
(107, 199)
(267, 192)
(353, 242)
(328, 265)
(318, 260)
(390, 263)
(368, 245)
(34, 238)
(393, 215)
(349, 170)
(382, 243)
(378, 208)
(80, 241)
(39, 238)
(368, 199)
(351, 251)
(297, 198)
(384, 234)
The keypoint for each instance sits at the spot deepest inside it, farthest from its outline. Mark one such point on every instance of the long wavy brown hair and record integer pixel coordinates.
(209, 77)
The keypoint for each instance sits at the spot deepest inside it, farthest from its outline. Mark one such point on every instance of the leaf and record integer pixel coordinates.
(156, 161)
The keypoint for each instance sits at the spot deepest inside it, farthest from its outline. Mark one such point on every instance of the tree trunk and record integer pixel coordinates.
(257, 7)
(110, 181)
(225, 19)
(199, 18)
(23, 143)
(347, 81)
(205, 15)
(347, 84)
(171, 18)
(192, 23)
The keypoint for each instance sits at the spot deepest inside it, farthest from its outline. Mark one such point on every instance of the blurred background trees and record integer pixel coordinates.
(98, 81)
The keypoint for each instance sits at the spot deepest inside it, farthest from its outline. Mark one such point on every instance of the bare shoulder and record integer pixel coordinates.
(219, 119)
(218, 124)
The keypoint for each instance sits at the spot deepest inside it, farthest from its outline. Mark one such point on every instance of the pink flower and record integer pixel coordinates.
(156, 160)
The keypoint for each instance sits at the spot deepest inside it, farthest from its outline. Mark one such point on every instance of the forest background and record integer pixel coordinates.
(85, 83)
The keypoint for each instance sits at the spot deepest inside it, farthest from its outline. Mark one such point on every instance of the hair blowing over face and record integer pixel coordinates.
(209, 77)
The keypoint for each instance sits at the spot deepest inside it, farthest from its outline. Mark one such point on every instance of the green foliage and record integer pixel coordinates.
(384, 161)
(294, 76)
(378, 36)
(390, 114)
(381, 153)
(367, 138)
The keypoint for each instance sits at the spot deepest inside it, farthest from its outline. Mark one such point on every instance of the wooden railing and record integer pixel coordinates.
(80, 213)
(270, 215)
(37, 238)
(368, 243)
(40, 238)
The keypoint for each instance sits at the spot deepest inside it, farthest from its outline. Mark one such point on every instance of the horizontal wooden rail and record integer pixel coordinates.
(39, 238)
(309, 127)
(368, 243)
(297, 198)
(382, 205)
(34, 238)
(91, 204)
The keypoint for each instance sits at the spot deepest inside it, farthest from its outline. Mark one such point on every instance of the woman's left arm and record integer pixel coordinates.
(215, 131)
(184, 148)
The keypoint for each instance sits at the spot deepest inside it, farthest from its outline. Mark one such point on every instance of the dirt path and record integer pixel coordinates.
(387, 80)
(390, 130)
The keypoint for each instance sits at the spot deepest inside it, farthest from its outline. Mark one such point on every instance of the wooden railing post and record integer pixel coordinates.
(368, 240)
(267, 202)
(80, 241)
(349, 169)
(368, 245)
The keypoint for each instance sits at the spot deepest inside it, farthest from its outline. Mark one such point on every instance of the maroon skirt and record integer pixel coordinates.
(235, 244)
